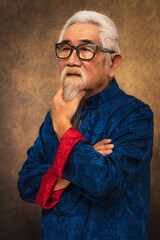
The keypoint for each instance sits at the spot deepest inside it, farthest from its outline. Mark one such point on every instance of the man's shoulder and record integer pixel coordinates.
(130, 103)
(124, 107)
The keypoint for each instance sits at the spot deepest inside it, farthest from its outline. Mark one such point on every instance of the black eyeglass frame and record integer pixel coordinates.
(76, 48)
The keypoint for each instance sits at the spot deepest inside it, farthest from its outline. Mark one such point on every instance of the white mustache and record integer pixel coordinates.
(72, 71)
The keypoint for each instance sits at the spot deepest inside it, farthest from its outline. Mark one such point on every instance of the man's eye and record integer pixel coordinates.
(85, 49)
(65, 49)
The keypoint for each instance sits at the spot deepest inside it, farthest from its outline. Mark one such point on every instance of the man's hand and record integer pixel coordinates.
(104, 147)
(62, 112)
(60, 184)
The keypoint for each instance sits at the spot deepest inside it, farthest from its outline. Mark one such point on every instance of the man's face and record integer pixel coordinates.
(95, 69)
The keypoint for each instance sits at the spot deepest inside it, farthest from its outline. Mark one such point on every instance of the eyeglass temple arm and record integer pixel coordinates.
(105, 50)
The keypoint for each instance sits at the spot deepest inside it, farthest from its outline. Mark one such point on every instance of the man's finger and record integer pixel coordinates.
(104, 147)
(105, 152)
(60, 90)
(104, 141)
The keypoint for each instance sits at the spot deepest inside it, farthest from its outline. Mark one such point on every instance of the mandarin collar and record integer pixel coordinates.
(101, 97)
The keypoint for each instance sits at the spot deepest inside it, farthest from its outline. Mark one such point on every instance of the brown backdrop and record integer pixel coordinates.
(29, 79)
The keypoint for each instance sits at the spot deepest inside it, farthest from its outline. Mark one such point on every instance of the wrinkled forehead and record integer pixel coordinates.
(81, 32)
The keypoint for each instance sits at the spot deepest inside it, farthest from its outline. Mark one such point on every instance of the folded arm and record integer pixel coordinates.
(99, 176)
(104, 147)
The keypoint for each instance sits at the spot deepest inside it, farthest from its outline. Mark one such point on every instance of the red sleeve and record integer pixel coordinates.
(46, 197)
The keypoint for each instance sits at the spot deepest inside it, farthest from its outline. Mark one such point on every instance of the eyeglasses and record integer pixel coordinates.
(84, 51)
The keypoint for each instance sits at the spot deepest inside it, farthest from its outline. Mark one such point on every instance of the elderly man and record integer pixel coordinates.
(89, 169)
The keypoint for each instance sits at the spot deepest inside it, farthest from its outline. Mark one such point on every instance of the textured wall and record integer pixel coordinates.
(29, 79)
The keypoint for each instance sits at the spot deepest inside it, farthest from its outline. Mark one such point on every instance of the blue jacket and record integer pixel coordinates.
(108, 198)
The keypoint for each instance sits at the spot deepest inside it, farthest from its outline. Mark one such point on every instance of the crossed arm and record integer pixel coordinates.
(104, 147)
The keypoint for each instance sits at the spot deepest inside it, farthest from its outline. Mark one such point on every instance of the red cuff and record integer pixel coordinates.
(46, 197)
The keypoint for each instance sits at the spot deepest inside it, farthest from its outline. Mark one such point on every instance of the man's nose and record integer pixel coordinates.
(74, 60)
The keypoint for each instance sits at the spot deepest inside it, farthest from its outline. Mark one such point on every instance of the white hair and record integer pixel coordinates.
(109, 36)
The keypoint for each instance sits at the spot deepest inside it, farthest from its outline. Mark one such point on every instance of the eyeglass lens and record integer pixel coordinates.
(85, 51)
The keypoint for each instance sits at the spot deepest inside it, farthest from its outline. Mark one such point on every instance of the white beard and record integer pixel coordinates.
(72, 85)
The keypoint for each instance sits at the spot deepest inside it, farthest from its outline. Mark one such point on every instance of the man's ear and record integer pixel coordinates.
(116, 59)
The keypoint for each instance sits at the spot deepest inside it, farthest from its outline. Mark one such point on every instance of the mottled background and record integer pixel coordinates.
(29, 78)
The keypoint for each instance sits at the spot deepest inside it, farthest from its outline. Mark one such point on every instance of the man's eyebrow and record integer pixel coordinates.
(64, 41)
(87, 41)
(83, 41)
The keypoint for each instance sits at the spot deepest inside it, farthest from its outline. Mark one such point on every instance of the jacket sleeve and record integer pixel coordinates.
(39, 161)
(99, 176)
(46, 197)
(38, 175)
